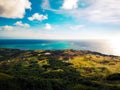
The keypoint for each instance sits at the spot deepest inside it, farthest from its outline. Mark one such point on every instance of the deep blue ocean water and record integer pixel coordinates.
(93, 45)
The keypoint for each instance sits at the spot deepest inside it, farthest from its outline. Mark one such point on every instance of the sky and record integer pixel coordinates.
(60, 19)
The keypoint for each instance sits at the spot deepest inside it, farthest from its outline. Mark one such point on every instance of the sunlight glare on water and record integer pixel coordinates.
(115, 46)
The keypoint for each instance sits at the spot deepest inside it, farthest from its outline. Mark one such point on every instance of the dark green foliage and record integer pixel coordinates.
(113, 77)
(34, 70)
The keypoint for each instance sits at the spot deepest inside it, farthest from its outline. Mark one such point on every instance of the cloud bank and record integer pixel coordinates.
(100, 11)
(105, 11)
(6, 27)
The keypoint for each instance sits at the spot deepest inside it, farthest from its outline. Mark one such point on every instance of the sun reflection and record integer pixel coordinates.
(115, 46)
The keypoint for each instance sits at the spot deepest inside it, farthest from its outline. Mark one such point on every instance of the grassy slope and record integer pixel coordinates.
(59, 69)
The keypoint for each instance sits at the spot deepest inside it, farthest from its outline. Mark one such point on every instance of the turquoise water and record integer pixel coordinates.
(50, 46)
(34, 44)
(99, 46)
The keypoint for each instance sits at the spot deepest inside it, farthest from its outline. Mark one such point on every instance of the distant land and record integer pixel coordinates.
(58, 70)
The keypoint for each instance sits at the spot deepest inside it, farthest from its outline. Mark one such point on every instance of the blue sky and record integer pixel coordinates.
(60, 19)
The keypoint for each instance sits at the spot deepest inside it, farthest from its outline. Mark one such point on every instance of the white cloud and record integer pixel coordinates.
(77, 27)
(45, 4)
(17, 26)
(6, 27)
(106, 11)
(21, 24)
(37, 16)
(48, 26)
(59, 33)
(14, 8)
(100, 11)
(70, 4)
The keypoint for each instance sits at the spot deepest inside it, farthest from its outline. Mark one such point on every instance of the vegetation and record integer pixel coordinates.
(58, 70)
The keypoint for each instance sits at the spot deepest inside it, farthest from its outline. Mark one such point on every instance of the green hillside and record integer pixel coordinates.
(58, 70)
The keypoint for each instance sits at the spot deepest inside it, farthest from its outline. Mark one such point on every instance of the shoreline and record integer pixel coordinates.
(90, 51)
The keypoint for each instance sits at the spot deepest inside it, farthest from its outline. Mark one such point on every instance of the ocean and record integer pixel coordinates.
(92, 45)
